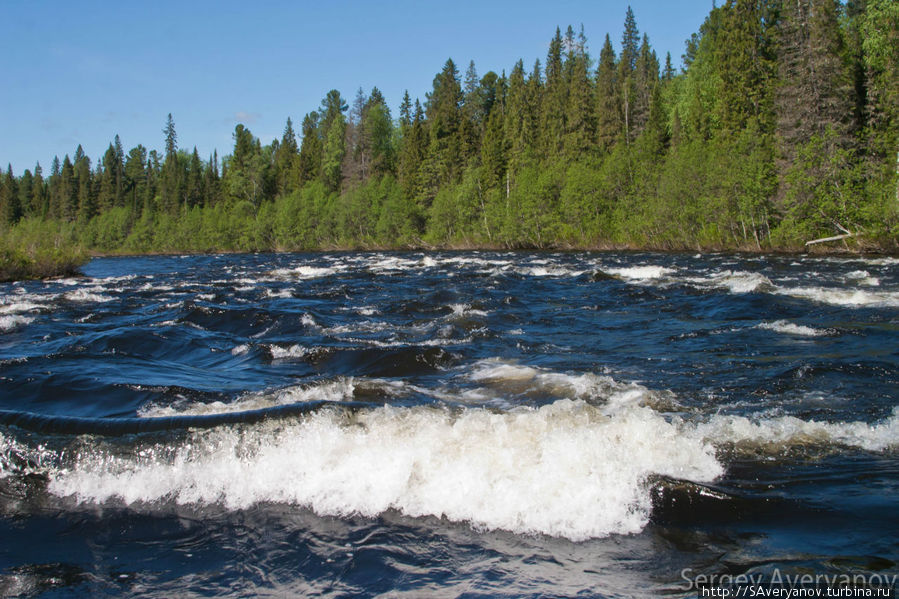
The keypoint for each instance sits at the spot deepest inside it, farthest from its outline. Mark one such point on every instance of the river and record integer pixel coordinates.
(477, 424)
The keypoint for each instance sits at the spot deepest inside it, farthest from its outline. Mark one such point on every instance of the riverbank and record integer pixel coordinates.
(40, 250)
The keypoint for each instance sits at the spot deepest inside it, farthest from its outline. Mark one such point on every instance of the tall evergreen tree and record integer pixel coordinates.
(26, 193)
(444, 112)
(378, 135)
(580, 123)
(815, 90)
(645, 80)
(627, 79)
(39, 203)
(12, 208)
(194, 192)
(170, 178)
(135, 176)
(286, 160)
(310, 159)
(555, 99)
(333, 126)
(609, 122)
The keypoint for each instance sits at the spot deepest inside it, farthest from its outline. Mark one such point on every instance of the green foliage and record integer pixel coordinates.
(783, 126)
(34, 249)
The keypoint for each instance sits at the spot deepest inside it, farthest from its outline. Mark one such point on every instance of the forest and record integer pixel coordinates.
(780, 125)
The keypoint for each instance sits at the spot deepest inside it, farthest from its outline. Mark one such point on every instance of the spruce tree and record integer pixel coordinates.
(310, 159)
(815, 90)
(580, 123)
(194, 192)
(12, 208)
(39, 204)
(26, 193)
(170, 178)
(627, 65)
(555, 100)
(609, 123)
(333, 125)
(444, 113)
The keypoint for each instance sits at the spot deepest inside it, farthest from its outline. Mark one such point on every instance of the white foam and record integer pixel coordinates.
(304, 272)
(334, 391)
(13, 321)
(283, 293)
(787, 431)
(837, 296)
(512, 378)
(464, 310)
(288, 353)
(863, 277)
(789, 328)
(640, 273)
(240, 349)
(564, 469)
(20, 307)
(549, 271)
(364, 326)
(88, 294)
(736, 281)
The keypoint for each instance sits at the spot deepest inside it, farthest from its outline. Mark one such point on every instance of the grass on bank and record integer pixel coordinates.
(36, 249)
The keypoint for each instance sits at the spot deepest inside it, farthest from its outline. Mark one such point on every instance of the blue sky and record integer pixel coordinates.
(84, 72)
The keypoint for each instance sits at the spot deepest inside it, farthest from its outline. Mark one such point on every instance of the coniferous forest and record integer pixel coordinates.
(779, 125)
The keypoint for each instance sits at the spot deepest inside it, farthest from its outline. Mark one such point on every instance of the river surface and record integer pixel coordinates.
(447, 424)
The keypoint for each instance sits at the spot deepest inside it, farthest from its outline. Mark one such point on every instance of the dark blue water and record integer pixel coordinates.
(447, 425)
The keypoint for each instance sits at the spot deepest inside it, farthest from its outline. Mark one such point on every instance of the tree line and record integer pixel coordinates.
(780, 125)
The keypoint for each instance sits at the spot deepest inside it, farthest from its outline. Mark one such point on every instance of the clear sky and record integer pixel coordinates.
(82, 72)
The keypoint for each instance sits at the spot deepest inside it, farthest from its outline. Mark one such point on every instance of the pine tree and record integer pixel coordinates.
(473, 115)
(12, 208)
(68, 190)
(170, 178)
(627, 66)
(405, 114)
(555, 100)
(286, 159)
(194, 192)
(815, 91)
(355, 167)
(107, 196)
(609, 122)
(26, 193)
(516, 115)
(40, 199)
(744, 65)
(668, 71)
(630, 43)
(85, 199)
(378, 135)
(333, 126)
(135, 179)
(494, 151)
(119, 172)
(580, 123)
(212, 181)
(444, 113)
(310, 160)
(413, 154)
(880, 34)
(645, 80)
(54, 189)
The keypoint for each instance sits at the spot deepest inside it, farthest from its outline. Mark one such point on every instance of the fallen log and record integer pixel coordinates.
(826, 239)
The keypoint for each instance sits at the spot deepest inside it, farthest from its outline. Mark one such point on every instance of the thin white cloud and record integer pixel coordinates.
(247, 118)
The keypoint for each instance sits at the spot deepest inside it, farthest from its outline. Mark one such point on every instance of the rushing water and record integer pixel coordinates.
(451, 424)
